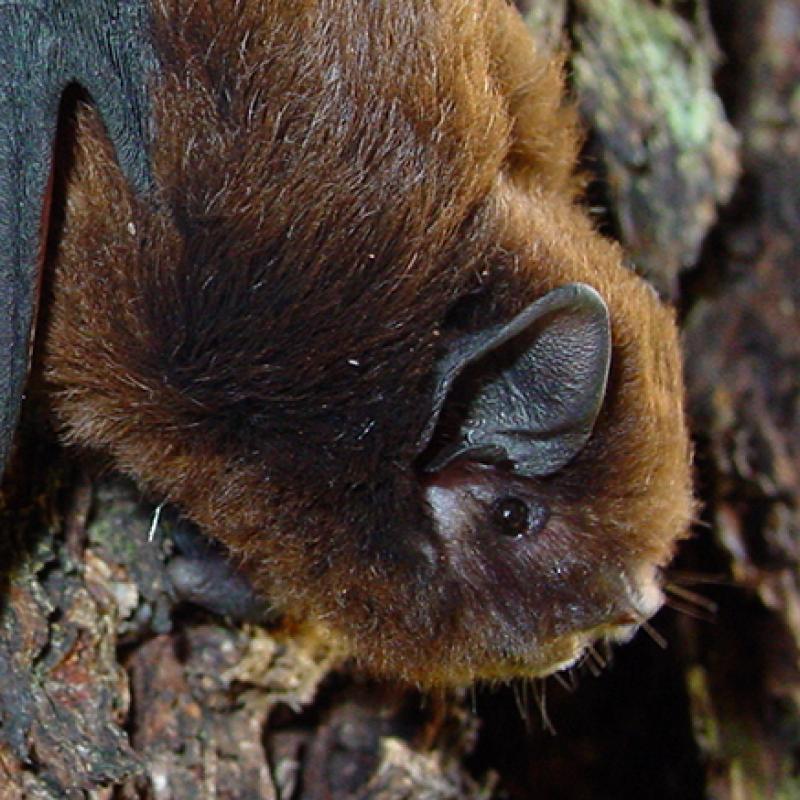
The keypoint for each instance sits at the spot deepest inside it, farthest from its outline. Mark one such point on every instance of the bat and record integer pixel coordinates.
(325, 283)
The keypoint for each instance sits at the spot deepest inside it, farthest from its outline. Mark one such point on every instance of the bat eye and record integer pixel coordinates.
(514, 517)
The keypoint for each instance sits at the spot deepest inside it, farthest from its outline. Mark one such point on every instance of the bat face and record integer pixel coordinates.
(361, 332)
(512, 548)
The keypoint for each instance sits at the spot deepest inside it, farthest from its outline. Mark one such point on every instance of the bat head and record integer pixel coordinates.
(550, 485)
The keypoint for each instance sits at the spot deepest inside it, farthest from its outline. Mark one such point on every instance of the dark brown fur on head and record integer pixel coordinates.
(344, 188)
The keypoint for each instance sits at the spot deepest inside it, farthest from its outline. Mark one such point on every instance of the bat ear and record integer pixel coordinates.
(528, 391)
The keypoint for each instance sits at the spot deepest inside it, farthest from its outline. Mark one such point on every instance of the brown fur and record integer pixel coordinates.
(340, 185)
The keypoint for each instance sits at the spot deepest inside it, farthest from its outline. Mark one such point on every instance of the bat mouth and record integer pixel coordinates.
(642, 599)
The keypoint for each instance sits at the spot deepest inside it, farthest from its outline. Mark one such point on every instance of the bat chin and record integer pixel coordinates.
(559, 655)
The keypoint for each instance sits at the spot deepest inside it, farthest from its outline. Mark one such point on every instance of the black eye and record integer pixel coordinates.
(514, 517)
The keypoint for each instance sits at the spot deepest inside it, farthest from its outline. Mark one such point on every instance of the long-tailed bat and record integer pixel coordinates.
(324, 282)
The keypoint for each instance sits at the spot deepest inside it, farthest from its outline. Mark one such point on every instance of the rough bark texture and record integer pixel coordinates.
(108, 689)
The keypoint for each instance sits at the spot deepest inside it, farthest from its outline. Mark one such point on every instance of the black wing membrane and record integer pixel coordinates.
(46, 45)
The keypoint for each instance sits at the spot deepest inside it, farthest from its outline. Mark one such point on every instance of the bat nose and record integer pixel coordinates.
(641, 599)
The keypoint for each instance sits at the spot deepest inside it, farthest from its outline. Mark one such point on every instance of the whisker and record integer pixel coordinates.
(689, 611)
(517, 689)
(151, 534)
(574, 679)
(654, 634)
(692, 598)
(596, 657)
(588, 663)
(608, 651)
(688, 578)
(564, 682)
(690, 603)
(540, 696)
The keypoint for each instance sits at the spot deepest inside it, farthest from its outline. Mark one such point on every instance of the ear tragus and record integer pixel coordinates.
(528, 391)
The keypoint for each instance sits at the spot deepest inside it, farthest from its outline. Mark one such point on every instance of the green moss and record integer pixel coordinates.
(644, 80)
(659, 62)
